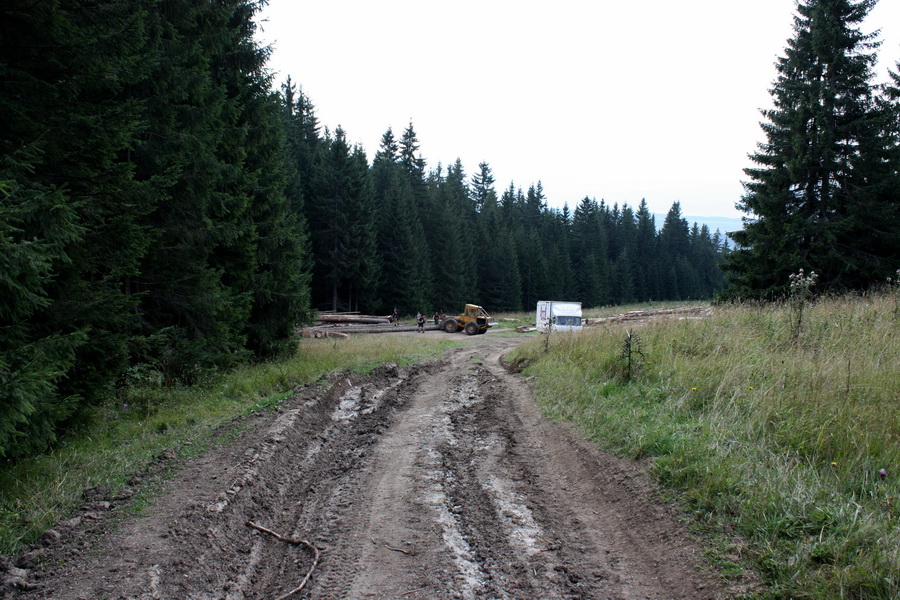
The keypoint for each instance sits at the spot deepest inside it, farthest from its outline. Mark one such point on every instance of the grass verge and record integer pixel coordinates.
(783, 445)
(149, 419)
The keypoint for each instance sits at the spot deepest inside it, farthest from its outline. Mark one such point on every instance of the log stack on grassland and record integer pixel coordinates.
(349, 318)
(340, 324)
(649, 314)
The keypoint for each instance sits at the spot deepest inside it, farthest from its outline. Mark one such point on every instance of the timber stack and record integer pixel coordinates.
(646, 315)
(339, 324)
(350, 318)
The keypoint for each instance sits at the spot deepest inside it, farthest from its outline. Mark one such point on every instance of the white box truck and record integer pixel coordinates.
(553, 315)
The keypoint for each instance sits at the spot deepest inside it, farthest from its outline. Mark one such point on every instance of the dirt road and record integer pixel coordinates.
(430, 482)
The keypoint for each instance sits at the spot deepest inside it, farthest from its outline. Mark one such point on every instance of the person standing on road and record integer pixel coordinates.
(420, 319)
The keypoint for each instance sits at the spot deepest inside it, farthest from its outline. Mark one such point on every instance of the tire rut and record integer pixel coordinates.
(439, 481)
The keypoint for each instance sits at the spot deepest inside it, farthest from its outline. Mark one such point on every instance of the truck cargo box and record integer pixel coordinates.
(554, 315)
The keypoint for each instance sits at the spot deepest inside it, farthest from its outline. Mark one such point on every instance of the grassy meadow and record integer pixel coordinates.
(776, 426)
(149, 418)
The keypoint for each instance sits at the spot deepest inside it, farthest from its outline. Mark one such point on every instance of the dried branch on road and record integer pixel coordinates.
(304, 543)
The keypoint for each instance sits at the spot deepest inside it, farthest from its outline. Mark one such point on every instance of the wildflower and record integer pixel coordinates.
(693, 389)
(833, 464)
(751, 387)
(882, 473)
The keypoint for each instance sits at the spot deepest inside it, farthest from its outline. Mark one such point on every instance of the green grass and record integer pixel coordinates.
(778, 440)
(36, 493)
(772, 444)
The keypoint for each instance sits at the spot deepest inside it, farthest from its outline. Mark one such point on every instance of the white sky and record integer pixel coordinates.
(620, 101)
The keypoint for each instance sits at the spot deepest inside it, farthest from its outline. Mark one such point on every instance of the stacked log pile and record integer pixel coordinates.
(644, 315)
(350, 318)
(340, 324)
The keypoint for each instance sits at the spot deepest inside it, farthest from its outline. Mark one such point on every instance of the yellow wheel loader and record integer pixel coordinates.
(473, 321)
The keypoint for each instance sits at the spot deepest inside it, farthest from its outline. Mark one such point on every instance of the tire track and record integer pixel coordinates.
(434, 482)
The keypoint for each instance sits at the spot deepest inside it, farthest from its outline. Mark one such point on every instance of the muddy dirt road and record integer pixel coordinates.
(430, 482)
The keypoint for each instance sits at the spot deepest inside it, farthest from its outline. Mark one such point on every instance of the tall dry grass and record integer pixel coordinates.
(791, 440)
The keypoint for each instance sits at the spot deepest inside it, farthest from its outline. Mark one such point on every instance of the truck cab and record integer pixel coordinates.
(555, 315)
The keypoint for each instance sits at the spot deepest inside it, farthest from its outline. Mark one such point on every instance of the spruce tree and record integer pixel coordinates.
(363, 281)
(341, 215)
(459, 216)
(556, 233)
(190, 319)
(491, 239)
(423, 204)
(280, 282)
(500, 281)
(36, 225)
(887, 239)
(70, 206)
(305, 145)
(534, 269)
(705, 262)
(482, 191)
(674, 251)
(818, 198)
(532, 255)
(590, 253)
(401, 246)
(624, 267)
(414, 165)
(447, 244)
(646, 255)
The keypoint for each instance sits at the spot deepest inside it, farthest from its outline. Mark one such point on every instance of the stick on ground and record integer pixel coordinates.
(313, 549)
(407, 552)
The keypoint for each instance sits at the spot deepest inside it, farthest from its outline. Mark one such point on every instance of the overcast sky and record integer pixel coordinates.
(612, 100)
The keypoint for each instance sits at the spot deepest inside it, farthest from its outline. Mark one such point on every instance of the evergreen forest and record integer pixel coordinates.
(168, 210)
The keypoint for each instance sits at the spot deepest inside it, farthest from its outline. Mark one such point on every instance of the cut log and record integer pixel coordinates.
(362, 319)
(640, 315)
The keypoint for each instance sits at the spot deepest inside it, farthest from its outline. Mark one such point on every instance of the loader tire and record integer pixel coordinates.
(471, 328)
(451, 326)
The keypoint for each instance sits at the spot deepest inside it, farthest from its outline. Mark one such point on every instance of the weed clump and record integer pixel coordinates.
(800, 295)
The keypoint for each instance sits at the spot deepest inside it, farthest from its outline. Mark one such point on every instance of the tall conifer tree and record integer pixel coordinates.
(646, 255)
(69, 205)
(484, 196)
(36, 225)
(461, 213)
(423, 205)
(590, 253)
(341, 214)
(817, 199)
(404, 282)
(674, 251)
(447, 246)
(280, 283)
